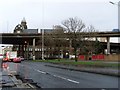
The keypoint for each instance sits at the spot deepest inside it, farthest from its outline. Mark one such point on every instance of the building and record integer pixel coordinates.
(55, 42)
(23, 29)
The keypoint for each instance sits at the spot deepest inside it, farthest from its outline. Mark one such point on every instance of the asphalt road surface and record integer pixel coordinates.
(50, 77)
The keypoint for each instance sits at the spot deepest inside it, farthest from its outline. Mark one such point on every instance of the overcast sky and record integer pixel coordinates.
(46, 13)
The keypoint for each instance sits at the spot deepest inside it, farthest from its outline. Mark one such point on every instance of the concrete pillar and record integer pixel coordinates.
(34, 49)
(108, 45)
(19, 50)
(22, 50)
(27, 50)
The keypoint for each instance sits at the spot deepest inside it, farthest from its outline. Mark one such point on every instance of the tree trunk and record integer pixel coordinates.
(75, 54)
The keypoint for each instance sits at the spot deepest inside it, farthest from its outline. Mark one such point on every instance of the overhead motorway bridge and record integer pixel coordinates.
(32, 38)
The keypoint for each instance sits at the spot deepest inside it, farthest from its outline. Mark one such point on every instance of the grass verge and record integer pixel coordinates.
(102, 64)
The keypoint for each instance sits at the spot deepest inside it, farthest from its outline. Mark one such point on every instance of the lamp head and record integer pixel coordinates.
(111, 2)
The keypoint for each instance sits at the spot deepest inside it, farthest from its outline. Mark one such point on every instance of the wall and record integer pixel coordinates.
(111, 57)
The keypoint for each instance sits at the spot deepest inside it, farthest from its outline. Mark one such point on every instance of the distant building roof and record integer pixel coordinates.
(30, 31)
(47, 30)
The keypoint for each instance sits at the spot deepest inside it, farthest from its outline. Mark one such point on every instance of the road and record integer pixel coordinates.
(50, 77)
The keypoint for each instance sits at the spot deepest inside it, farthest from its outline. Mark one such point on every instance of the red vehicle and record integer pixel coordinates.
(5, 59)
(17, 59)
(9, 55)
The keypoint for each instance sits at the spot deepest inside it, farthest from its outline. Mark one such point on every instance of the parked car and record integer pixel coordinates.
(4, 59)
(17, 59)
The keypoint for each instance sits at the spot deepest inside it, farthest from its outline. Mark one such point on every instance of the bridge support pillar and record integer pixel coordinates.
(108, 45)
(19, 50)
(27, 50)
(22, 54)
(34, 49)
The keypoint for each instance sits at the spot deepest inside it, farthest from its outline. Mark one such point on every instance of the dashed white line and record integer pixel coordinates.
(41, 72)
(73, 81)
(70, 80)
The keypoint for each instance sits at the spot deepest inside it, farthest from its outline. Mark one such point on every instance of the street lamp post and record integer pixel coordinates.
(43, 44)
(114, 3)
(118, 4)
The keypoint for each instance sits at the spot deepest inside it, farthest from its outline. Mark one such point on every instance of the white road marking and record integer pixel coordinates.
(70, 80)
(73, 81)
(41, 72)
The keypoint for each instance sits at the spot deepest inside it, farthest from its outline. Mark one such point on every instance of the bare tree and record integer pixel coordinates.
(75, 31)
(82, 37)
(72, 27)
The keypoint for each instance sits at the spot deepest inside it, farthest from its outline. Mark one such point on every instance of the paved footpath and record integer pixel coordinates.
(8, 81)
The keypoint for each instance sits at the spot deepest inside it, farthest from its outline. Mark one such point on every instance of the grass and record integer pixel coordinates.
(82, 63)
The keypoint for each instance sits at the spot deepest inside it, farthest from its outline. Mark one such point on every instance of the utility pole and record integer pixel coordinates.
(43, 44)
(118, 4)
(118, 16)
(43, 30)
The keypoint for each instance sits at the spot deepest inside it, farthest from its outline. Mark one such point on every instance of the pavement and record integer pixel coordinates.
(97, 70)
(9, 81)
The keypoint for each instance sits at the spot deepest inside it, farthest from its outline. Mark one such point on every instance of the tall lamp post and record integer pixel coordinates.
(43, 44)
(112, 2)
(118, 4)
